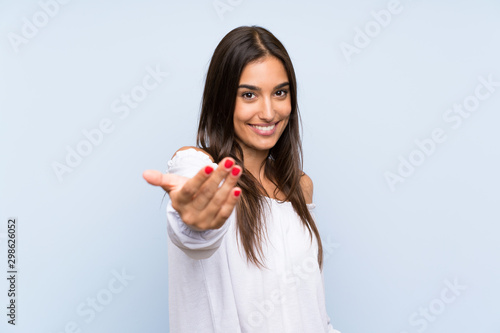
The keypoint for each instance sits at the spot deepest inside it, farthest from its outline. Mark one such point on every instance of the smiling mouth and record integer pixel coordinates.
(265, 130)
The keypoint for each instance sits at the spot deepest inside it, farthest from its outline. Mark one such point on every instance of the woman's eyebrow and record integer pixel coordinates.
(248, 86)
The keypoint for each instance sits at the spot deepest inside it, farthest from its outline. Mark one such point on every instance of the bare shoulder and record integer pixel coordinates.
(195, 148)
(307, 187)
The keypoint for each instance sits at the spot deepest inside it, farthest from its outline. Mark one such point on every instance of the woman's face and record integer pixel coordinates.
(262, 105)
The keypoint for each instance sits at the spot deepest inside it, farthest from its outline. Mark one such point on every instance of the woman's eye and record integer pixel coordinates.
(281, 93)
(248, 95)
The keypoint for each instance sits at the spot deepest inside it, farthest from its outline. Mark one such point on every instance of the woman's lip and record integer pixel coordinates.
(264, 132)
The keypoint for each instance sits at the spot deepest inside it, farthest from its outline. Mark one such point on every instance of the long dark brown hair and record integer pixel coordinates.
(216, 135)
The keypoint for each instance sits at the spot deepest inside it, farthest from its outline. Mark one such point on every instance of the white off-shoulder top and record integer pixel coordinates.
(212, 288)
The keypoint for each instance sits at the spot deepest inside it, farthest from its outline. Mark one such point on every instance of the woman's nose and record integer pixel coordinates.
(267, 111)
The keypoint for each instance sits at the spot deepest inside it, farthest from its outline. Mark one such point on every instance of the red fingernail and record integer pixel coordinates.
(236, 171)
(228, 164)
(237, 193)
(208, 170)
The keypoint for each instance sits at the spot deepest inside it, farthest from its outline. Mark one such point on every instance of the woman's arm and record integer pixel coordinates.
(199, 207)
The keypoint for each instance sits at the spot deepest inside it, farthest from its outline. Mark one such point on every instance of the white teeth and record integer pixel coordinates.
(268, 128)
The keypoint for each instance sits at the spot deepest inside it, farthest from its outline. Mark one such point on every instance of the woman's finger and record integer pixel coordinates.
(227, 208)
(169, 182)
(206, 192)
(222, 193)
(192, 186)
(153, 177)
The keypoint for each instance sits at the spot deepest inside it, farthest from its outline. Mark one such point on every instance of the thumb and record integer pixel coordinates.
(168, 182)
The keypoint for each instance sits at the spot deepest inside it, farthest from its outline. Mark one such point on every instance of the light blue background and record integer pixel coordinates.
(392, 250)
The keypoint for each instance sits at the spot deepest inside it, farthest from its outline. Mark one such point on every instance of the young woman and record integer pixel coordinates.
(244, 251)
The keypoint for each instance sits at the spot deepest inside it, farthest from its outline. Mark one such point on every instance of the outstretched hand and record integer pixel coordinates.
(200, 202)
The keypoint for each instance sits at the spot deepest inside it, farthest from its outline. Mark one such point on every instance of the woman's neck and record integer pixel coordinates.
(255, 162)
